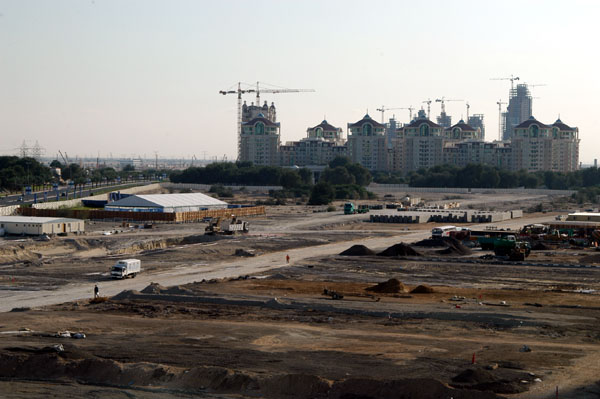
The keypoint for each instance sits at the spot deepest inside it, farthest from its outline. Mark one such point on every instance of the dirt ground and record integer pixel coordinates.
(476, 330)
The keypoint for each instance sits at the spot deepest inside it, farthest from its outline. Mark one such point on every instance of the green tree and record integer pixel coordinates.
(322, 194)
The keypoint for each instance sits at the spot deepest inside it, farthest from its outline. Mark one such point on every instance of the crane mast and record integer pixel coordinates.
(258, 90)
(500, 103)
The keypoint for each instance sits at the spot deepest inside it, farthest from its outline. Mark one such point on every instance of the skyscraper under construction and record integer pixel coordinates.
(518, 110)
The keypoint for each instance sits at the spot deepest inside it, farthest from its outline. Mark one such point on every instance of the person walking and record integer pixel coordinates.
(96, 291)
(287, 259)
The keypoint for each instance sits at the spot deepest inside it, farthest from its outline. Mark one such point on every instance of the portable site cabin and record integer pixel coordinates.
(30, 225)
(167, 203)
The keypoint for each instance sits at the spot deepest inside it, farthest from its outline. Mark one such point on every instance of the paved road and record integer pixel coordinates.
(85, 192)
(188, 273)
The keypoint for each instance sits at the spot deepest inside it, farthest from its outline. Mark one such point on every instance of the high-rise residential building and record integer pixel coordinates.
(540, 147)
(323, 143)
(444, 120)
(519, 110)
(367, 143)
(476, 121)
(422, 143)
(252, 111)
(326, 132)
(260, 141)
(462, 131)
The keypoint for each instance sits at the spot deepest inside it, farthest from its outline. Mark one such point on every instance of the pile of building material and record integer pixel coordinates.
(423, 215)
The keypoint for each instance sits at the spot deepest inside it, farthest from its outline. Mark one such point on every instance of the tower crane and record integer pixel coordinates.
(428, 102)
(63, 157)
(512, 79)
(444, 100)
(383, 109)
(500, 104)
(468, 106)
(258, 90)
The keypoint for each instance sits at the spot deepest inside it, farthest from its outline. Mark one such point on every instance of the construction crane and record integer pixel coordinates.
(258, 90)
(468, 106)
(512, 79)
(383, 109)
(444, 100)
(428, 102)
(500, 104)
(63, 157)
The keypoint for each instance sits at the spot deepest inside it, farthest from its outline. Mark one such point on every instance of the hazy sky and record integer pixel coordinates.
(133, 77)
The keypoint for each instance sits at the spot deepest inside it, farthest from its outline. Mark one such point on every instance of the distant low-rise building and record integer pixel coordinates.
(35, 226)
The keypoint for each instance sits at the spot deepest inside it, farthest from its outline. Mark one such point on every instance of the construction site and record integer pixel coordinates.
(488, 299)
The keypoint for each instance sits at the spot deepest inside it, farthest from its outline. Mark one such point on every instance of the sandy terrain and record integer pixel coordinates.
(273, 333)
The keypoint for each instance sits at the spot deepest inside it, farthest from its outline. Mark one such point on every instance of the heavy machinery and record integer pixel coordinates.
(234, 226)
(509, 246)
(363, 209)
(349, 208)
(214, 227)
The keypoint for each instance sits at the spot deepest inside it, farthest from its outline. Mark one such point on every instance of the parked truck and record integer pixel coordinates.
(349, 208)
(235, 226)
(126, 268)
(511, 247)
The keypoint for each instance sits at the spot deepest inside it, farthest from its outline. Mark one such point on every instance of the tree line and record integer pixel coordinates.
(341, 179)
(485, 176)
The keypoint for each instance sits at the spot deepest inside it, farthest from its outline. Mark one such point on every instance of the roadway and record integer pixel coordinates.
(63, 192)
(226, 269)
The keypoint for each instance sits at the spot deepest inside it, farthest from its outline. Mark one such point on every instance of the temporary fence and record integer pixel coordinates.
(176, 217)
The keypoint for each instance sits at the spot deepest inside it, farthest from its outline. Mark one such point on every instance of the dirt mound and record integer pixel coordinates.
(154, 288)
(507, 382)
(358, 250)
(430, 243)
(392, 286)
(243, 252)
(127, 294)
(454, 247)
(401, 249)
(157, 289)
(422, 289)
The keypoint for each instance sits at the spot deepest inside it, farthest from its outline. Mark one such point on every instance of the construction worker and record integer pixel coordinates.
(96, 291)
(287, 259)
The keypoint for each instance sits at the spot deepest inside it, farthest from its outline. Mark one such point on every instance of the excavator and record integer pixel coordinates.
(233, 227)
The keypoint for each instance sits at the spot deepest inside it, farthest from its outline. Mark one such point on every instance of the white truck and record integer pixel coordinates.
(126, 268)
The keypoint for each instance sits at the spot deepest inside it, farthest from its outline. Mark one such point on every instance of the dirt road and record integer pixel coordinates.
(238, 267)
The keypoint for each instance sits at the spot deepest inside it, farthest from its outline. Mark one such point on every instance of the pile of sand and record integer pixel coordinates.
(392, 286)
(401, 249)
(154, 288)
(157, 289)
(422, 289)
(358, 250)
(454, 247)
(430, 242)
(243, 252)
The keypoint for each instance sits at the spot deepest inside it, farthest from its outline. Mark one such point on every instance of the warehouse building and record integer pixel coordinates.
(30, 225)
(166, 203)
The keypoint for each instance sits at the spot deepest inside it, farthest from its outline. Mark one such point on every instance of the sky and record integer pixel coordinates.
(140, 77)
